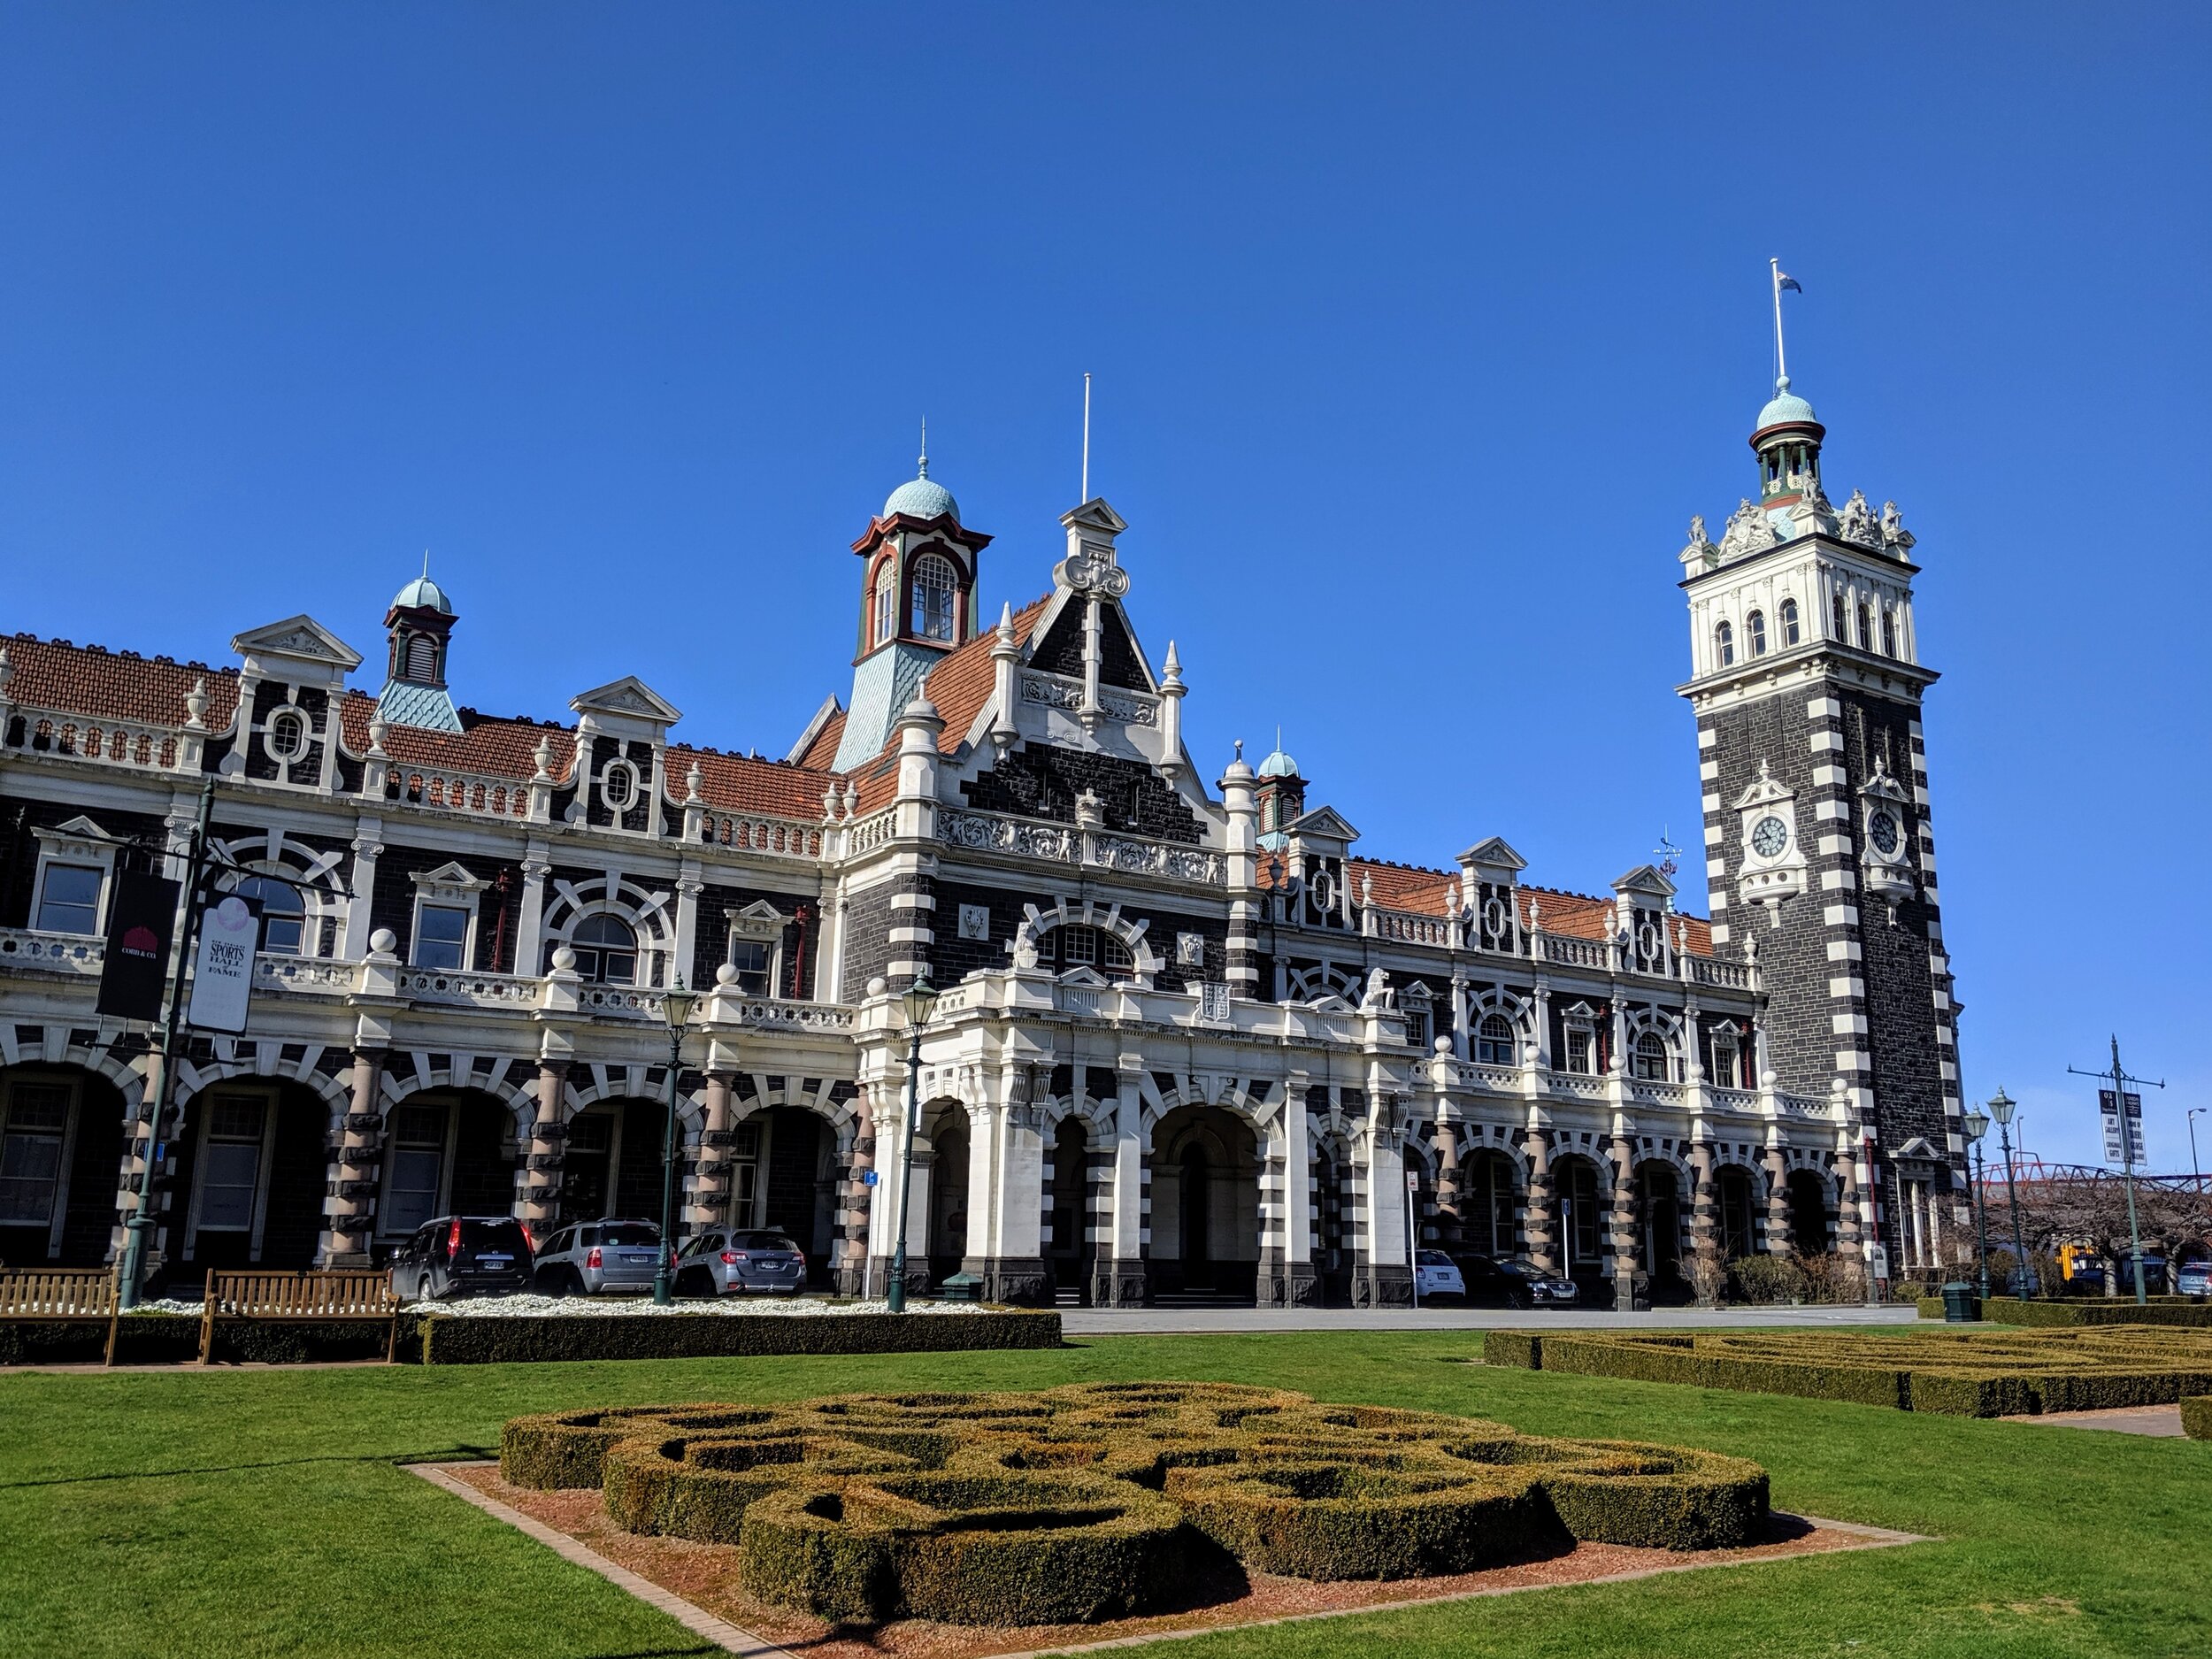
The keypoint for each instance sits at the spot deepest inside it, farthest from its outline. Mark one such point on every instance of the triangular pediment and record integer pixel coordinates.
(449, 875)
(301, 639)
(1330, 1003)
(760, 920)
(1086, 977)
(628, 695)
(1764, 787)
(1884, 787)
(1096, 515)
(1495, 853)
(1324, 822)
(1645, 879)
(1918, 1147)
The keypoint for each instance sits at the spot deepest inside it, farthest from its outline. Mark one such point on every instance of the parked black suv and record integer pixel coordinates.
(463, 1255)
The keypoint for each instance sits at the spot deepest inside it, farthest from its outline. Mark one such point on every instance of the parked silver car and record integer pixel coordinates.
(721, 1263)
(591, 1257)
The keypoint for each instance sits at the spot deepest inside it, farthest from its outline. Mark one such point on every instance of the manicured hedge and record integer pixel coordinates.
(168, 1339)
(2196, 1417)
(2182, 1311)
(1095, 1500)
(1524, 1349)
(1955, 1372)
(463, 1340)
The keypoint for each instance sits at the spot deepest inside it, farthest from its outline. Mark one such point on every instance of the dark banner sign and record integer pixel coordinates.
(141, 918)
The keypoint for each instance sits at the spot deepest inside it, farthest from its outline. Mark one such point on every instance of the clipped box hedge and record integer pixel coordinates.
(2196, 1417)
(2049, 1315)
(1096, 1500)
(461, 1340)
(173, 1338)
(1953, 1372)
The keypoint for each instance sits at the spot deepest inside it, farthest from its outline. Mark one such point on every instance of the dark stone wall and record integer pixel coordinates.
(1040, 781)
(393, 902)
(1119, 662)
(956, 957)
(802, 937)
(18, 846)
(867, 940)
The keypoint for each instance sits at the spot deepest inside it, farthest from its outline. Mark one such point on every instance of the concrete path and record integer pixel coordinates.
(2164, 1422)
(1077, 1322)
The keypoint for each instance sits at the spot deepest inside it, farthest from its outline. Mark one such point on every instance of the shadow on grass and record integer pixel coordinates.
(398, 1460)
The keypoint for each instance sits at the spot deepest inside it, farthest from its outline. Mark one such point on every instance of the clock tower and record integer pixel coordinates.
(1807, 681)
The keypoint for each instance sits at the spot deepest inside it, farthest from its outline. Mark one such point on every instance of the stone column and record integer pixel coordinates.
(709, 1204)
(1006, 1198)
(1628, 1272)
(1704, 1226)
(1123, 1275)
(1286, 1272)
(1382, 1277)
(1450, 1213)
(1778, 1239)
(349, 1209)
(540, 1207)
(1543, 1211)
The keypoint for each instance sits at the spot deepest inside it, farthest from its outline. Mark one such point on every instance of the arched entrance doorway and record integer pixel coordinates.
(1067, 1202)
(1582, 1227)
(446, 1153)
(797, 1184)
(1737, 1214)
(1659, 1210)
(948, 1193)
(1488, 1204)
(1808, 1197)
(1205, 1206)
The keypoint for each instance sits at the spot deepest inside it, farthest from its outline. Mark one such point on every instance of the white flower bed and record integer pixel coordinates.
(620, 1307)
(170, 1305)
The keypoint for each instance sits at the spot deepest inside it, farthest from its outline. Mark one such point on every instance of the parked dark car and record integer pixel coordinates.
(463, 1255)
(1492, 1283)
(718, 1263)
(588, 1258)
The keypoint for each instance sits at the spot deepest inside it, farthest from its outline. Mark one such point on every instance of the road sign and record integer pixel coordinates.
(868, 1178)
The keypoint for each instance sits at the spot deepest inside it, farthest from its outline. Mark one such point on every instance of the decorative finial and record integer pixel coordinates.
(1006, 619)
(426, 564)
(924, 462)
(1239, 749)
(692, 780)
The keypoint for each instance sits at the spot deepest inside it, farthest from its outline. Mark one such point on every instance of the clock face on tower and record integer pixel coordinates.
(1881, 829)
(1769, 837)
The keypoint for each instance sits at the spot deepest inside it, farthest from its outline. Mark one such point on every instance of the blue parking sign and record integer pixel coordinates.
(867, 1178)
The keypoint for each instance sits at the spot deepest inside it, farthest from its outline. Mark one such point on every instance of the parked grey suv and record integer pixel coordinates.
(720, 1264)
(589, 1257)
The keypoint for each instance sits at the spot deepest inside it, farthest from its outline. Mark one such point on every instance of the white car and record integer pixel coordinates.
(1434, 1275)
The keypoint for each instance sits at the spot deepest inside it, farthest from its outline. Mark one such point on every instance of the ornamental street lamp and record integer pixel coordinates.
(676, 1005)
(1977, 1125)
(918, 1001)
(2001, 1106)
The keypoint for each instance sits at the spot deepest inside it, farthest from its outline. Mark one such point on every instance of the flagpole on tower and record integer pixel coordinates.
(1781, 363)
(1087, 436)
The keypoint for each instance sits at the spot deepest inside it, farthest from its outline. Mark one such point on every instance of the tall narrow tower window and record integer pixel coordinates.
(1866, 629)
(1724, 644)
(1838, 624)
(1889, 632)
(933, 598)
(1756, 627)
(422, 657)
(1789, 622)
(887, 602)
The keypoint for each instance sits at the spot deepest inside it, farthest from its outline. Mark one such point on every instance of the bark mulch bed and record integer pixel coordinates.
(705, 1577)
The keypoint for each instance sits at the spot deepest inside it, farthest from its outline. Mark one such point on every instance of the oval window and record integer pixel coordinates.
(287, 734)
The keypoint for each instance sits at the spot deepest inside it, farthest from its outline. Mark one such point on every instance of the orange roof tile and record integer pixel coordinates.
(823, 750)
(91, 679)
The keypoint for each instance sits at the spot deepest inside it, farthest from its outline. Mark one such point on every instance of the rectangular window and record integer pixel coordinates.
(441, 934)
(750, 957)
(1578, 1049)
(69, 899)
(231, 1175)
(418, 1151)
(1078, 946)
(30, 1152)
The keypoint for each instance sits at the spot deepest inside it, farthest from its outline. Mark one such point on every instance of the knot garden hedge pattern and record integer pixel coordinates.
(1100, 1500)
(1955, 1373)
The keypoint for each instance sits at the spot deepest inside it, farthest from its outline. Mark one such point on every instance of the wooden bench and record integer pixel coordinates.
(79, 1295)
(300, 1298)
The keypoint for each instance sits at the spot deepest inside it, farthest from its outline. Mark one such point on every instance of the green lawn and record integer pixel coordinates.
(242, 1514)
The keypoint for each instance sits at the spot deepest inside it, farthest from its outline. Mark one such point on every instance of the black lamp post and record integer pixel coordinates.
(2001, 1106)
(676, 1004)
(917, 1001)
(1977, 1125)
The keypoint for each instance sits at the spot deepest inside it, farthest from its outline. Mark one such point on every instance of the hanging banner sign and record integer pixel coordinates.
(142, 919)
(222, 968)
(2116, 1151)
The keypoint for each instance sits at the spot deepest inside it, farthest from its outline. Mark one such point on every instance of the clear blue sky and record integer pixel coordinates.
(1419, 336)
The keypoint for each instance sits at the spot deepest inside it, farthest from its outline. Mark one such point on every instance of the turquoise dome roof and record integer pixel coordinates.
(919, 498)
(1785, 409)
(1278, 765)
(422, 593)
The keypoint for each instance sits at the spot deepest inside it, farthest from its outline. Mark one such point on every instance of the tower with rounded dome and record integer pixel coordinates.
(419, 625)
(917, 605)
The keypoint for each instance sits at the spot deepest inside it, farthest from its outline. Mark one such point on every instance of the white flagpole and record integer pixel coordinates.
(1086, 437)
(1781, 363)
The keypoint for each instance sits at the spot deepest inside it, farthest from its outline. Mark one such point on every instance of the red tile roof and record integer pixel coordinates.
(91, 679)
(823, 750)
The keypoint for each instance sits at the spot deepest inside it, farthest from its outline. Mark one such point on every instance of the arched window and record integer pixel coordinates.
(283, 914)
(1756, 627)
(1866, 628)
(606, 950)
(1080, 947)
(887, 602)
(422, 657)
(1889, 632)
(1839, 627)
(932, 596)
(1724, 643)
(1789, 622)
(1494, 1042)
(1650, 1059)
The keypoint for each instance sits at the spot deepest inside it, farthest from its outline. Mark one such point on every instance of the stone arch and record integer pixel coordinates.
(1106, 918)
(1491, 1226)
(514, 1085)
(315, 871)
(649, 914)
(1811, 1197)
(264, 1065)
(1519, 1011)
(1207, 1163)
(1641, 1022)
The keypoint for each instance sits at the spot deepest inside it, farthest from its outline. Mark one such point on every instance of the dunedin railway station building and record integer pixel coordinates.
(1190, 1043)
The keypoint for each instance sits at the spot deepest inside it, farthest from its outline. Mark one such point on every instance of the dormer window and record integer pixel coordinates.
(286, 735)
(933, 597)
(1755, 627)
(1789, 622)
(1724, 644)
